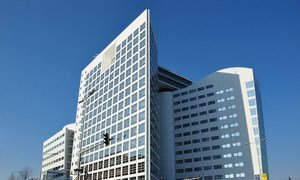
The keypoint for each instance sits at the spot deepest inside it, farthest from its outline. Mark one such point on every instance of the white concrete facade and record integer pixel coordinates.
(57, 152)
(218, 127)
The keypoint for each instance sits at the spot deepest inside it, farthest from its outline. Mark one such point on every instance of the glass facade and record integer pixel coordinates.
(124, 105)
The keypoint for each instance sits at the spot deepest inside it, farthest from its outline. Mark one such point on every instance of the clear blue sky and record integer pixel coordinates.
(44, 45)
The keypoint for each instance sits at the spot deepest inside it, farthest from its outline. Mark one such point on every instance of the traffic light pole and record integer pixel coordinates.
(82, 131)
(106, 138)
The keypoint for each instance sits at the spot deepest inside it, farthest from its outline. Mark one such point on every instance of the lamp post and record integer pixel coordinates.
(259, 166)
(82, 131)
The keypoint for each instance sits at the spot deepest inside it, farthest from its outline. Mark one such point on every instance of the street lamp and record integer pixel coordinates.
(82, 130)
(260, 168)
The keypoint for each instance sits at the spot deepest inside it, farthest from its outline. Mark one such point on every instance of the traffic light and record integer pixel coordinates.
(78, 170)
(106, 139)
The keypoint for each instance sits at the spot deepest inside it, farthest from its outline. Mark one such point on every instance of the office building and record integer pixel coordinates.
(57, 153)
(125, 78)
(218, 127)
(162, 125)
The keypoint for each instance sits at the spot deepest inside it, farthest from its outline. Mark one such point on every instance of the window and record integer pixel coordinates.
(192, 90)
(212, 111)
(184, 93)
(217, 166)
(215, 138)
(132, 168)
(211, 102)
(141, 167)
(210, 94)
(200, 89)
(197, 150)
(205, 149)
(187, 151)
(179, 161)
(249, 84)
(252, 102)
(202, 113)
(141, 141)
(185, 100)
(178, 135)
(196, 141)
(186, 125)
(216, 156)
(204, 121)
(202, 104)
(188, 160)
(201, 96)
(256, 131)
(212, 119)
(198, 169)
(215, 147)
(197, 159)
(193, 107)
(204, 130)
(141, 153)
(125, 158)
(195, 123)
(193, 98)
(176, 95)
(186, 133)
(178, 144)
(254, 121)
(214, 128)
(141, 128)
(205, 168)
(196, 132)
(185, 108)
(209, 86)
(133, 143)
(178, 152)
(251, 93)
(133, 156)
(125, 170)
(205, 139)
(176, 103)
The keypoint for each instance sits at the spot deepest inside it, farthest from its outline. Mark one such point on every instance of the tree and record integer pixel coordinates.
(25, 173)
(11, 177)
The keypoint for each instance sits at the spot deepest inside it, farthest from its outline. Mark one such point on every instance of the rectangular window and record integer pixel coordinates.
(212, 119)
(253, 111)
(194, 115)
(251, 93)
(193, 107)
(200, 89)
(207, 168)
(252, 102)
(202, 113)
(249, 84)
(204, 121)
(211, 102)
(204, 130)
(202, 104)
(214, 128)
(210, 94)
(209, 86)
(254, 121)
(201, 96)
